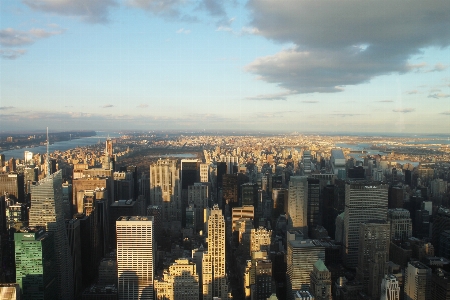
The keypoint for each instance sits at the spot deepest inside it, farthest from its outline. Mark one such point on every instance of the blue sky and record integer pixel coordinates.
(323, 66)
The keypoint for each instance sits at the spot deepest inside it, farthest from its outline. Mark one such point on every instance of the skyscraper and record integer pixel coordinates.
(298, 204)
(301, 257)
(47, 211)
(135, 257)
(35, 264)
(417, 281)
(213, 264)
(440, 224)
(373, 254)
(165, 188)
(364, 201)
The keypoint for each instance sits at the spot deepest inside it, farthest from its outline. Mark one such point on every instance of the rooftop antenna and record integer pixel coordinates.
(48, 160)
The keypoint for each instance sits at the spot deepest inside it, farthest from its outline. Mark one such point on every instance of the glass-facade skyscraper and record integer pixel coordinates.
(47, 211)
(35, 264)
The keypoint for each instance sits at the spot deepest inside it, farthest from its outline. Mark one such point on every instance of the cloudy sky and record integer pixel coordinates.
(300, 65)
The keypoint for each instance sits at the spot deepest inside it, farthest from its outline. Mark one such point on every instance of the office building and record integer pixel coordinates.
(135, 257)
(249, 194)
(198, 199)
(301, 257)
(280, 202)
(298, 203)
(13, 184)
(321, 281)
(364, 201)
(179, 282)
(390, 289)
(313, 206)
(306, 160)
(260, 239)
(214, 280)
(204, 173)
(374, 239)
(440, 224)
(100, 292)
(401, 224)
(337, 160)
(10, 291)
(440, 285)
(244, 212)
(165, 189)
(417, 281)
(47, 211)
(36, 264)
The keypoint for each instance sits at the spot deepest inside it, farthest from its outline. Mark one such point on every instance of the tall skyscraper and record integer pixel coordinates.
(306, 162)
(213, 264)
(35, 264)
(47, 211)
(313, 206)
(440, 224)
(364, 201)
(373, 254)
(165, 189)
(298, 204)
(135, 259)
(301, 257)
(417, 281)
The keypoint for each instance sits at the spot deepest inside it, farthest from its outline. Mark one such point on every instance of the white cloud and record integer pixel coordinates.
(404, 110)
(276, 96)
(182, 30)
(347, 42)
(439, 95)
(92, 11)
(12, 53)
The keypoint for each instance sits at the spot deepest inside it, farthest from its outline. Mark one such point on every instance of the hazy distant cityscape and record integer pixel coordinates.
(176, 215)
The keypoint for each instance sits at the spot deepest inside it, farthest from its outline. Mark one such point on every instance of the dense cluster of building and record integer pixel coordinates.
(254, 219)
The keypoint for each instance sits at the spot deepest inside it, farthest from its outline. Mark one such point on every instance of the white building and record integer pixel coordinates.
(390, 290)
(135, 257)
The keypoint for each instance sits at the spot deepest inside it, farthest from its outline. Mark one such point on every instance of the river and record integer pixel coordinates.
(62, 146)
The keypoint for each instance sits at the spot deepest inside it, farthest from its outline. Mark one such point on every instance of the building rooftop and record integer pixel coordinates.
(337, 153)
(135, 218)
(320, 265)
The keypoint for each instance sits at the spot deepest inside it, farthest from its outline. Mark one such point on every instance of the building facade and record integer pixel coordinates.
(135, 257)
(364, 201)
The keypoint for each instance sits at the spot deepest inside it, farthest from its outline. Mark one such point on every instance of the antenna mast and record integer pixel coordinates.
(48, 158)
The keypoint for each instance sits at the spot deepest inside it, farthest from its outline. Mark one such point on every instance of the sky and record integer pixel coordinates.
(257, 65)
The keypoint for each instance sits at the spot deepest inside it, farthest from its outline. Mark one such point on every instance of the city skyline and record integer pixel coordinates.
(258, 65)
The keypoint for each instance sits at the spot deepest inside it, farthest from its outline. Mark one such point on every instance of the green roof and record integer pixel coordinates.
(320, 265)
